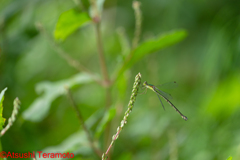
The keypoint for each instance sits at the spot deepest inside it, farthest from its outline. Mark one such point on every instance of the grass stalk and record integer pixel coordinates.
(81, 120)
(72, 62)
(138, 23)
(124, 121)
(16, 107)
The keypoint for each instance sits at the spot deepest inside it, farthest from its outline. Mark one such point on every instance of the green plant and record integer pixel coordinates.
(136, 85)
(68, 23)
(11, 120)
(229, 158)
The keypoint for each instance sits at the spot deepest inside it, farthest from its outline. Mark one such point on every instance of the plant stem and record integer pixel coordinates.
(72, 62)
(138, 22)
(101, 56)
(16, 107)
(79, 115)
(107, 82)
(124, 121)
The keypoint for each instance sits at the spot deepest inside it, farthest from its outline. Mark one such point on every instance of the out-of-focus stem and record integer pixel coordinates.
(79, 115)
(72, 62)
(102, 61)
(106, 81)
(138, 22)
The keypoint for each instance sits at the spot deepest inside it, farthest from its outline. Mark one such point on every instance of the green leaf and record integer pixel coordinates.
(157, 44)
(2, 96)
(227, 89)
(125, 155)
(95, 117)
(109, 115)
(2, 120)
(76, 143)
(69, 22)
(122, 86)
(40, 107)
(154, 45)
(229, 158)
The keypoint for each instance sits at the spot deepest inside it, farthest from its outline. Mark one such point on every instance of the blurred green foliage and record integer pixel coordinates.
(2, 120)
(229, 158)
(206, 66)
(69, 22)
(39, 108)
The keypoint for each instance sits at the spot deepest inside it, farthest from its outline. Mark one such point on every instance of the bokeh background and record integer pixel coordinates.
(206, 66)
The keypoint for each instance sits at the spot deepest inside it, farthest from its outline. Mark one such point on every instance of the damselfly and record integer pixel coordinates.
(164, 96)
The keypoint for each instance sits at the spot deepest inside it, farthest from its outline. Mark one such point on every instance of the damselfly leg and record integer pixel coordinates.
(164, 95)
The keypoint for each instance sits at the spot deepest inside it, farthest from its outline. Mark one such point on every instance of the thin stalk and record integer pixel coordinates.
(81, 120)
(72, 62)
(108, 127)
(16, 107)
(101, 56)
(138, 22)
(105, 77)
(124, 121)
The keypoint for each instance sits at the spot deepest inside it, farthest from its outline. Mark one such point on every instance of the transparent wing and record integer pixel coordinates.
(166, 95)
(168, 85)
(161, 102)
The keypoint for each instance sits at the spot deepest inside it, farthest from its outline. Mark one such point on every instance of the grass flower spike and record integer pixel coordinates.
(124, 121)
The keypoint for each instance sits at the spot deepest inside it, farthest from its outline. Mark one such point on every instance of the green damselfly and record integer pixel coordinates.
(164, 96)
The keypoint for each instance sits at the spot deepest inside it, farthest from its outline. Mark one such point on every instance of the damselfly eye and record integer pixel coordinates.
(144, 83)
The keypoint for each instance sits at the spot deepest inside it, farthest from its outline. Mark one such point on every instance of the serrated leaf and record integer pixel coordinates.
(229, 158)
(69, 22)
(2, 120)
(109, 115)
(51, 90)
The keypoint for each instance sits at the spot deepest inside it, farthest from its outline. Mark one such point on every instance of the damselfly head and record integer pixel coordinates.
(145, 83)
